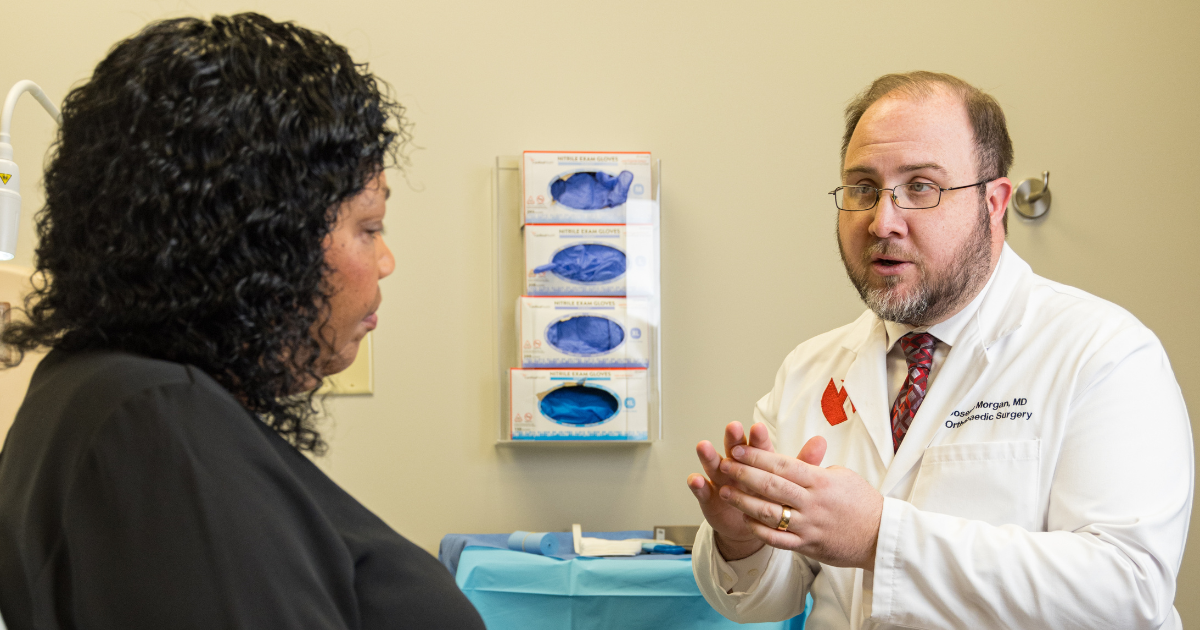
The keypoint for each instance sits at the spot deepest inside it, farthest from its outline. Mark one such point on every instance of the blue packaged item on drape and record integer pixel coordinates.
(585, 335)
(586, 263)
(592, 190)
(579, 405)
(541, 543)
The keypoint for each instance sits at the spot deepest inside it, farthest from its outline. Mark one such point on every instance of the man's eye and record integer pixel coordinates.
(920, 187)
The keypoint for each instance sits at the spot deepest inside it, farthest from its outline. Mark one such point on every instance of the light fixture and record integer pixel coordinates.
(10, 175)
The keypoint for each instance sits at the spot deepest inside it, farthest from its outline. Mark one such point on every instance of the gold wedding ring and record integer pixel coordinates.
(784, 520)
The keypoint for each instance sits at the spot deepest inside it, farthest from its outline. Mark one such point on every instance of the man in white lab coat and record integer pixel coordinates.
(1045, 481)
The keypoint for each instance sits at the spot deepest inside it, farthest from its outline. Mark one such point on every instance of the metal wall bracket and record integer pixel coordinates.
(1031, 199)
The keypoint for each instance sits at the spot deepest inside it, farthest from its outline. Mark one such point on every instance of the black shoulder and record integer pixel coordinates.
(71, 396)
(102, 376)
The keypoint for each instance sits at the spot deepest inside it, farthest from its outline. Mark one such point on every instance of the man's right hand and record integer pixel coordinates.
(733, 536)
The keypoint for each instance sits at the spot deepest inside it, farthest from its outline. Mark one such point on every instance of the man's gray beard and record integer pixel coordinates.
(934, 297)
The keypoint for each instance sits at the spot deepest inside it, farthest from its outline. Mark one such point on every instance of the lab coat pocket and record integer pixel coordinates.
(995, 482)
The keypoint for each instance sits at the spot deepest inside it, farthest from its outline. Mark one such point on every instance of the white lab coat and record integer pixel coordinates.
(1067, 507)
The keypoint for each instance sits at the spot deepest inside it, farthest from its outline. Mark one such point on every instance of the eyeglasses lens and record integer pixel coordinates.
(856, 197)
(917, 195)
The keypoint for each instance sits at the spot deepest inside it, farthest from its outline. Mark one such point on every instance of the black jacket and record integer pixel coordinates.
(137, 493)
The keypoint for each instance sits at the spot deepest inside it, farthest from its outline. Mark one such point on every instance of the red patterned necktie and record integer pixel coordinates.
(918, 351)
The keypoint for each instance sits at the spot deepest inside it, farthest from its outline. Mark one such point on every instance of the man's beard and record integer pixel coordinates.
(935, 296)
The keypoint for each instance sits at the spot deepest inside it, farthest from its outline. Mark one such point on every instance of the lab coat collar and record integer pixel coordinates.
(993, 314)
(1002, 307)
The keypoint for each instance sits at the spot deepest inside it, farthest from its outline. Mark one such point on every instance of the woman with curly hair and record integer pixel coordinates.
(210, 249)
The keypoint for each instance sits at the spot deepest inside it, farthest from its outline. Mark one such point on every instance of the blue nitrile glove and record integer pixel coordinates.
(585, 335)
(592, 190)
(586, 263)
(579, 405)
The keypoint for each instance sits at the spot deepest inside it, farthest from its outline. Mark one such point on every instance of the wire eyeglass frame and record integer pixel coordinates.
(896, 200)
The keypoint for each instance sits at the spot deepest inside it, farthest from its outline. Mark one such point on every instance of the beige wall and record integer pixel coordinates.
(742, 101)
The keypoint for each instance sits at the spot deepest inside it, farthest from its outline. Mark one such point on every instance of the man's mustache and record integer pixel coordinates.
(890, 249)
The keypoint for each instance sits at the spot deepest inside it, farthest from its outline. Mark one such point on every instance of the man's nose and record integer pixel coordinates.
(888, 220)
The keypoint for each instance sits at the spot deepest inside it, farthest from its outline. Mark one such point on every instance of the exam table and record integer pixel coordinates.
(524, 591)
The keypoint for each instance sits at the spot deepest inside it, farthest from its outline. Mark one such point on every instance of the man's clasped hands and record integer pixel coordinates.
(834, 513)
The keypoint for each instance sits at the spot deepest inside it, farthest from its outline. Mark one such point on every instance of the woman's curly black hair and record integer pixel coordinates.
(193, 181)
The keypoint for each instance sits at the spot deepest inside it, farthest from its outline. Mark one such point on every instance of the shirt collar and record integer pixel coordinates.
(946, 332)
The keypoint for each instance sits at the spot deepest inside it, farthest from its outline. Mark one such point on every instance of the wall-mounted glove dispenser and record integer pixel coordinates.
(577, 251)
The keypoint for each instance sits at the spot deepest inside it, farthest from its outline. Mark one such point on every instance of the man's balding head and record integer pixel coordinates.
(993, 147)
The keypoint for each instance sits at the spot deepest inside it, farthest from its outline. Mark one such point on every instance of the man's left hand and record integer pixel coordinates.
(835, 512)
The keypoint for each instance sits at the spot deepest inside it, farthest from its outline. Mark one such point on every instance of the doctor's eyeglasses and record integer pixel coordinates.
(914, 196)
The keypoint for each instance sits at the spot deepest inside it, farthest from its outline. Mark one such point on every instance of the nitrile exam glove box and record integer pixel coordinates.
(586, 187)
(578, 332)
(587, 260)
(578, 404)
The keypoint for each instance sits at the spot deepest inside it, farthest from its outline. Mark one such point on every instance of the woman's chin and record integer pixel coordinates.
(329, 366)
(342, 360)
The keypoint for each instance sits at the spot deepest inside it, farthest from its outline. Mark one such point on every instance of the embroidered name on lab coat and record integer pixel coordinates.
(991, 410)
(833, 403)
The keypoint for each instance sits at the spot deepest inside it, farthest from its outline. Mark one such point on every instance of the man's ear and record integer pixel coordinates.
(998, 193)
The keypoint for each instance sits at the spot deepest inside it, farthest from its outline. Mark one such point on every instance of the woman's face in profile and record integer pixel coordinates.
(358, 259)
